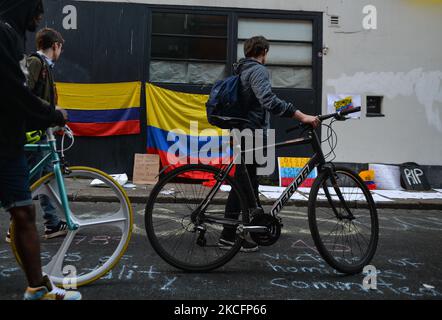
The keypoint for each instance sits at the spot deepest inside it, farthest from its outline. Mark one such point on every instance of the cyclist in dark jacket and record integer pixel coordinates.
(257, 96)
(20, 110)
(258, 102)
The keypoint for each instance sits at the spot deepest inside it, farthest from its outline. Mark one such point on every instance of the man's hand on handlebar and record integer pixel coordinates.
(63, 112)
(62, 117)
(307, 119)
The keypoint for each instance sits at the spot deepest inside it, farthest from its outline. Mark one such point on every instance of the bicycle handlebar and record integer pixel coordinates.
(338, 116)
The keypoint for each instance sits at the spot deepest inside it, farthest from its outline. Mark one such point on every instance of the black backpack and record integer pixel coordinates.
(224, 102)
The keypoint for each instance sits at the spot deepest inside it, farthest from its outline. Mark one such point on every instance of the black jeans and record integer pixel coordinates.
(50, 216)
(233, 206)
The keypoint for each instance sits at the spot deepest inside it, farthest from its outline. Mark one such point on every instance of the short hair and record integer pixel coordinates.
(47, 37)
(256, 46)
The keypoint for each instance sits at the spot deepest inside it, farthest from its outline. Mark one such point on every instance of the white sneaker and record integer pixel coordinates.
(50, 292)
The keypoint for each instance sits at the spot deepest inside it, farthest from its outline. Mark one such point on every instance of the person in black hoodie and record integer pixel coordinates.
(20, 110)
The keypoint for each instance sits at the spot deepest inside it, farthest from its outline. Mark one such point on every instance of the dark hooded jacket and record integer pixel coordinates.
(19, 108)
(257, 96)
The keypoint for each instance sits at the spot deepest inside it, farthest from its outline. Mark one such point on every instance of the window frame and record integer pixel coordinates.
(316, 39)
(187, 10)
(232, 23)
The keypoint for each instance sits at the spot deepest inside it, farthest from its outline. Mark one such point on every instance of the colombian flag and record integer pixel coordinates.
(290, 168)
(344, 104)
(179, 132)
(101, 110)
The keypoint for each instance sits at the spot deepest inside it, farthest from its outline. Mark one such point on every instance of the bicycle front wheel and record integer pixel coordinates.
(343, 220)
(79, 257)
(183, 235)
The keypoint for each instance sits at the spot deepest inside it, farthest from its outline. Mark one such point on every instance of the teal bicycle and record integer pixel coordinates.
(98, 233)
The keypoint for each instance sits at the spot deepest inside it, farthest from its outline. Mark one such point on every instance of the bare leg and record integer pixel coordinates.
(27, 243)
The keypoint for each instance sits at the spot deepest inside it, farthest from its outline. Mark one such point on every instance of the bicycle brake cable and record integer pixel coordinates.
(66, 132)
(332, 140)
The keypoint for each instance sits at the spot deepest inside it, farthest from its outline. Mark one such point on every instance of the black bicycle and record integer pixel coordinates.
(341, 212)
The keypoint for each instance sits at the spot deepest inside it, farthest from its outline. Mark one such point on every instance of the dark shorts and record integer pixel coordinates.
(14, 182)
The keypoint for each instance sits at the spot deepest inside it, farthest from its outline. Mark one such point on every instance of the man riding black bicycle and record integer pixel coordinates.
(258, 100)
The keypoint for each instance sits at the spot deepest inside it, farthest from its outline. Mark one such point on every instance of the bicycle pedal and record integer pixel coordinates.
(256, 211)
(256, 229)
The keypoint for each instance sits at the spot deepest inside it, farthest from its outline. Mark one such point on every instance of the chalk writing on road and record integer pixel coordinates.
(125, 271)
(393, 279)
(402, 223)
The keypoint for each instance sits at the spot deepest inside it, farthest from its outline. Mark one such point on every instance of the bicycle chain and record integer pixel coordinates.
(274, 230)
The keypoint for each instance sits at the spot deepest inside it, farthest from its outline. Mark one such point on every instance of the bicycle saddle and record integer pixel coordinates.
(229, 122)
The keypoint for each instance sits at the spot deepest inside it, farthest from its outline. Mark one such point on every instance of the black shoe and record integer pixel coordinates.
(246, 247)
(58, 231)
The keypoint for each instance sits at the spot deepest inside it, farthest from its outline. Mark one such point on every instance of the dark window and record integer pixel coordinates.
(188, 48)
(189, 24)
(374, 106)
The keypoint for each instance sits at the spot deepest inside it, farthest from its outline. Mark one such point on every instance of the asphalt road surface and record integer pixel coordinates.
(408, 261)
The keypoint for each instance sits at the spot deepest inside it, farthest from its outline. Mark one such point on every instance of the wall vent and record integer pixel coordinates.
(335, 21)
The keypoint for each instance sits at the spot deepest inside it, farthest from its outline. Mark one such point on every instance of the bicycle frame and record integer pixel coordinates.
(54, 158)
(316, 161)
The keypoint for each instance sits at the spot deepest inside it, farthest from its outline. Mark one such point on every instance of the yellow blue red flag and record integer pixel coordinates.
(102, 109)
(178, 121)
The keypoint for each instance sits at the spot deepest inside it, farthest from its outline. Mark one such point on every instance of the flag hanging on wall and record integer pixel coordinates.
(179, 132)
(100, 110)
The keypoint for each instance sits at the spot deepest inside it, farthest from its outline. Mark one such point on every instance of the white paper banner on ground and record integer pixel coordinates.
(276, 196)
(281, 189)
(392, 194)
(357, 197)
(341, 102)
(274, 193)
(386, 177)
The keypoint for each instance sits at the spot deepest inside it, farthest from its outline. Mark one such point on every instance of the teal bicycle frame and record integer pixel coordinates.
(55, 159)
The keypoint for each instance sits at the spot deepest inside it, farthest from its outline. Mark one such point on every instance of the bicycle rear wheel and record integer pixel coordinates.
(185, 242)
(104, 228)
(344, 228)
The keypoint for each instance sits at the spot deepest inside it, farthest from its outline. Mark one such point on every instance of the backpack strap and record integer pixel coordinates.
(42, 77)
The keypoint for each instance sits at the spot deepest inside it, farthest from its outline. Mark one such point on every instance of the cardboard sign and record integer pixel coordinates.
(289, 170)
(146, 168)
